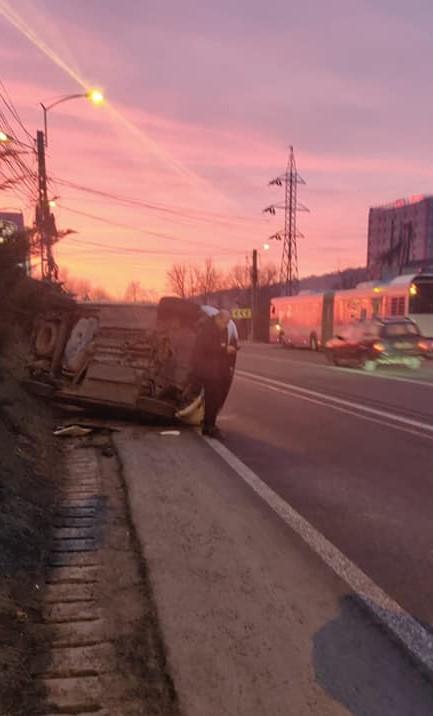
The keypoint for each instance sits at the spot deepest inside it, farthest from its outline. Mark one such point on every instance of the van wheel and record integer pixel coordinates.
(314, 343)
(46, 338)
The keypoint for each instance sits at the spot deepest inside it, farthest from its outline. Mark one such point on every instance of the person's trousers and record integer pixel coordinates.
(212, 401)
(226, 383)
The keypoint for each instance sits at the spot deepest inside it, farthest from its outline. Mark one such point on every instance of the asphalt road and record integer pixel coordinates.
(352, 452)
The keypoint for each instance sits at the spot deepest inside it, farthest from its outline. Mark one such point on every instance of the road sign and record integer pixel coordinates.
(238, 313)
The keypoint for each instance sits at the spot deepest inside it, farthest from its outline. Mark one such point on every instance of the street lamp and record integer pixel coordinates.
(95, 96)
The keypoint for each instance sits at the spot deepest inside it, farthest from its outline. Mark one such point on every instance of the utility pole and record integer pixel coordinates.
(45, 223)
(254, 282)
(289, 277)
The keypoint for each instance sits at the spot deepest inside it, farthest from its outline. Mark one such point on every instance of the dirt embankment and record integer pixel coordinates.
(34, 471)
(28, 458)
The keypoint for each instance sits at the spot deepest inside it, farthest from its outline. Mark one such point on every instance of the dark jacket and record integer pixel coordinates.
(210, 351)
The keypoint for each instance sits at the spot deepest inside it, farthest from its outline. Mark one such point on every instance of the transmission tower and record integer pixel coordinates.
(289, 261)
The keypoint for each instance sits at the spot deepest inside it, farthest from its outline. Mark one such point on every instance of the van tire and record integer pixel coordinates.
(46, 338)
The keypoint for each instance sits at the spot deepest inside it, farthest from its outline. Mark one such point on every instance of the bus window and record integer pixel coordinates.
(397, 306)
(422, 301)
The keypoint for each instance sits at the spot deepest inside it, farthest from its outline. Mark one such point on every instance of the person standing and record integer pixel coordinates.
(210, 359)
(229, 362)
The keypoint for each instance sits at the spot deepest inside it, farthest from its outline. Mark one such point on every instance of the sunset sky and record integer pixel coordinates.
(204, 100)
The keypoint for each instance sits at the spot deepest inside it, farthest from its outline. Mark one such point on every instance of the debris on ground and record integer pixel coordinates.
(71, 431)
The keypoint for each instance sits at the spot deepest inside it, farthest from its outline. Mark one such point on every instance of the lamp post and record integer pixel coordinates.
(44, 218)
(95, 96)
(45, 222)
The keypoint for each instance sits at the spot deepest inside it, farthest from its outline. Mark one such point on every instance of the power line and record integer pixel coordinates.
(10, 105)
(196, 214)
(136, 250)
(19, 173)
(122, 249)
(129, 227)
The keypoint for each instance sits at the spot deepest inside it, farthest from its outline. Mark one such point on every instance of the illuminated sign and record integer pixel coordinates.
(240, 313)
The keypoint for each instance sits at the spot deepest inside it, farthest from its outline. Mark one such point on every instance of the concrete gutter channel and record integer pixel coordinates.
(249, 620)
(100, 649)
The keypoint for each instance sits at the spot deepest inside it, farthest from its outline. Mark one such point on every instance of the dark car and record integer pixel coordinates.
(368, 344)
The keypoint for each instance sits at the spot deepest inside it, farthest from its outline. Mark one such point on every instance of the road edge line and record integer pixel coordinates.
(330, 400)
(415, 639)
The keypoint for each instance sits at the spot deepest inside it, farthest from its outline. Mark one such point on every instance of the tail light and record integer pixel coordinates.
(378, 347)
(423, 346)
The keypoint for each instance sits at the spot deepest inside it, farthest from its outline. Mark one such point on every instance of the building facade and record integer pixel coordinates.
(400, 237)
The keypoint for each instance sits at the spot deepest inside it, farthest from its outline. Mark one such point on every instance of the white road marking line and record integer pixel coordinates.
(345, 371)
(397, 620)
(331, 400)
(339, 409)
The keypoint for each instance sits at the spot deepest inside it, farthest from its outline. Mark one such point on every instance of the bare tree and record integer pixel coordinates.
(178, 277)
(83, 289)
(239, 277)
(98, 293)
(268, 275)
(132, 292)
(193, 282)
(196, 280)
(135, 293)
(208, 279)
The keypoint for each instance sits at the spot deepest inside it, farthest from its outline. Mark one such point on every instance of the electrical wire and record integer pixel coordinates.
(196, 214)
(9, 103)
(129, 227)
(119, 250)
(19, 176)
